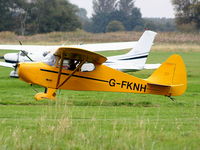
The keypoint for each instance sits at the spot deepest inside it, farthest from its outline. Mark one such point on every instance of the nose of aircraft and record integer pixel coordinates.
(11, 57)
(23, 72)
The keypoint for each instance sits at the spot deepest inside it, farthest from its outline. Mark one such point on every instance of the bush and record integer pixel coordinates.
(114, 26)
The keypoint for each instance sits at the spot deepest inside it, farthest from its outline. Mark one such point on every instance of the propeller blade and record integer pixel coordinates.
(26, 55)
(24, 52)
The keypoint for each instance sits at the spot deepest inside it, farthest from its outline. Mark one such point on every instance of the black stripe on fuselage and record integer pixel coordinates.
(74, 75)
(131, 58)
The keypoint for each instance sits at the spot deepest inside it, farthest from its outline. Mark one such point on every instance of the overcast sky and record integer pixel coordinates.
(149, 8)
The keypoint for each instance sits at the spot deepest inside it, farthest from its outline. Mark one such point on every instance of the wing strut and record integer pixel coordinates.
(60, 69)
(77, 68)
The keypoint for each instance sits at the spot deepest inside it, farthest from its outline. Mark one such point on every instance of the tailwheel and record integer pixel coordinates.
(48, 94)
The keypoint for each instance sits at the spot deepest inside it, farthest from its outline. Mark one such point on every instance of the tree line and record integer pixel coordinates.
(122, 12)
(187, 14)
(26, 17)
(37, 16)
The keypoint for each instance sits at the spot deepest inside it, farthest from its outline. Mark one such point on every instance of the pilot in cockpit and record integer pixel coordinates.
(68, 64)
(72, 64)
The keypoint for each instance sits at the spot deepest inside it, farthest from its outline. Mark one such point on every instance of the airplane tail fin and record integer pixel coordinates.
(171, 75)
(144, 44)
(138, 55)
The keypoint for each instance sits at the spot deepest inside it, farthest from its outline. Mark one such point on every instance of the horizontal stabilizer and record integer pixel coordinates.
(152, 84)
(151, 66)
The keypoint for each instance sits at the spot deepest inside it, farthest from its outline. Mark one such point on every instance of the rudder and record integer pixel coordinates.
(171, 73)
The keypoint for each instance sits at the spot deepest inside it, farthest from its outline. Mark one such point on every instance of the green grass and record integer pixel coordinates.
(101, 120)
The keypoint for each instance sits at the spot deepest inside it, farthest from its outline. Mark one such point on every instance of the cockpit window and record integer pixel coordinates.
(68, 64)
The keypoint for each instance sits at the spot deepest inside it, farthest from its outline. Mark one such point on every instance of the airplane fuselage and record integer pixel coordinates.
(102, 78)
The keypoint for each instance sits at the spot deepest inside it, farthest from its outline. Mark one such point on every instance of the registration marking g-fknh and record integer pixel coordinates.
(128, 85)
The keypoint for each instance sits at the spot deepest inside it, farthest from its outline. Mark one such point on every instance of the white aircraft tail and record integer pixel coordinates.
(138, 55)
(144, 44)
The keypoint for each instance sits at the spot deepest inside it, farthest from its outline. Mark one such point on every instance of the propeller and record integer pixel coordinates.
(25, 53)
(15, 74)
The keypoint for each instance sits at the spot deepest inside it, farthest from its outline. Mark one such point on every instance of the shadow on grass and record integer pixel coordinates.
(84, 103)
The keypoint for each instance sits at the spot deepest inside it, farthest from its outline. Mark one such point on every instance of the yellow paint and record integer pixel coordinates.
(170, 79)
(50, 94)
(80, 54)
(172, 73)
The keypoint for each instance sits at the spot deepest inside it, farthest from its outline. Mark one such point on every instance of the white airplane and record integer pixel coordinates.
(134, 60)
(38, 52)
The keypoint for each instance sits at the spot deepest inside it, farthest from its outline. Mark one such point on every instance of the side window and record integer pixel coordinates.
(70, 64)
(87, 67)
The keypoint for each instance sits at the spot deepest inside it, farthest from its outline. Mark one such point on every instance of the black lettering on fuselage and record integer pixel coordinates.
(128, 85)
(112, 82)
(136, 87)
(143, 88)
(123, 84)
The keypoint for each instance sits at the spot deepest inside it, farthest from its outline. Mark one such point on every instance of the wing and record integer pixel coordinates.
(106, 46)
(79, 54)
(4, 64)
(90, 47)
(33, 48)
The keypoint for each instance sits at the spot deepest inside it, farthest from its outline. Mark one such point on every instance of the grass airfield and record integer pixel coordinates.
(101, 120)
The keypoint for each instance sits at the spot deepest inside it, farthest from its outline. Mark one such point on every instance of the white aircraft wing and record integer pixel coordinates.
(5, 64)
(34, 48)
(106, 46)
(91, 47)
(151, 66)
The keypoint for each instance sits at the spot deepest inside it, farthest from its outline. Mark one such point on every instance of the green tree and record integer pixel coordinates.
(9, 10)
(85, 21)
(58, 16)
(114, 26)
(38, 16)
(4, 14)
(187, 13)
(130, 18)
(101, 16)
(126, 6)
(160, 24)
(134, 19)
(104, 6)
(99, 22)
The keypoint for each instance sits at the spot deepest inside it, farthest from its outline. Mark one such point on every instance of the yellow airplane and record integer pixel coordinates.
(78, 69)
